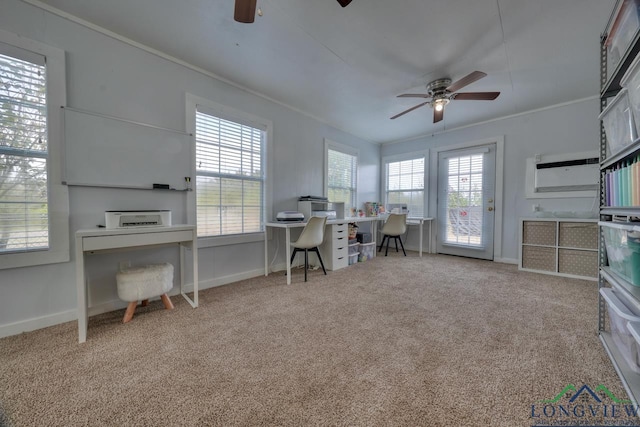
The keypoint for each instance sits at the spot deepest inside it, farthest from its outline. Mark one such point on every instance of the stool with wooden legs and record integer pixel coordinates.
(141, 283)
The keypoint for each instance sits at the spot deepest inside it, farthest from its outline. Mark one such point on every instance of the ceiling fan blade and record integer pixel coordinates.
(344, 3)
(466, 80)
(438, 115)
(414, 95)
(476, 96)
(245, 11)
(409, 110)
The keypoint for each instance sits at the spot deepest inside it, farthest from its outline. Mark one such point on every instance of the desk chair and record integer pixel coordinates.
(311, 237)
(395, 226)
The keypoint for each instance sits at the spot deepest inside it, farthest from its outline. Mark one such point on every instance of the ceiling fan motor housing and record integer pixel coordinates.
(437, 89)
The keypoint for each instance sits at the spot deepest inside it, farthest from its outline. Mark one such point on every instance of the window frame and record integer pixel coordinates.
(227, 113)
(57, 192)
(400, 158)
(345, 149)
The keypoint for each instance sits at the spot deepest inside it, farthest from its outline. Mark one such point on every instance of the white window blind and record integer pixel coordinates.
(405, 185)
(342, 170)
(24, 216)
(229, 176)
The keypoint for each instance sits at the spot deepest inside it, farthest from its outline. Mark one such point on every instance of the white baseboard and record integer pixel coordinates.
(506, 260)
(37, 323)
(71, 315)
(225, 280)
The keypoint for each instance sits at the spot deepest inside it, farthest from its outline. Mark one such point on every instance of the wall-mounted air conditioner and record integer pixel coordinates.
(567, 175)
(562, 175)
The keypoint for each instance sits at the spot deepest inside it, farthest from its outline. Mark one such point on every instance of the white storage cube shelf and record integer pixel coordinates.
(618, 122)
(620, 315)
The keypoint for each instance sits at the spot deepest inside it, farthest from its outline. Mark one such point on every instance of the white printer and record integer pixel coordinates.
(124, 219)
(291, 216)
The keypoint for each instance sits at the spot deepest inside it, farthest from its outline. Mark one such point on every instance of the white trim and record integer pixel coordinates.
(37, 323)
(499, 188)
(192, 102)
(506, 260)
(58, 194)
(510, 116)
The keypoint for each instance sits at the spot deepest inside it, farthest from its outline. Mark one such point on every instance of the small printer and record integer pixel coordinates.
(125, 219)
(290, 216)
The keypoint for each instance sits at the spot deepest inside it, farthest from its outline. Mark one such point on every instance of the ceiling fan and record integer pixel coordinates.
(245, 10)
(442, 91)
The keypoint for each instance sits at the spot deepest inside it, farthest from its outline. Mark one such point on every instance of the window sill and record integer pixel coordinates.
(28, 259)
(236, 239)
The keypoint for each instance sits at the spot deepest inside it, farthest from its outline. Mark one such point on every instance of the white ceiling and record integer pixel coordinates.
(347, 66)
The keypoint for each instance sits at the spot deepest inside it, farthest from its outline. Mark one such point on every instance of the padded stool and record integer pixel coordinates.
(141, 283)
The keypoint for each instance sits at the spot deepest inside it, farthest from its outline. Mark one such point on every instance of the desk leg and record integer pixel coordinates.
(266, 258)
(196, 282)
(421, 223)
(430, 233)
(194, 249)
(374, 236)
(81, 291)
(288, 254)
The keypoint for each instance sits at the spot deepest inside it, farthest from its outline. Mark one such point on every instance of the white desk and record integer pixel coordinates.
(420, 222)
(108, 240)
(289, 225)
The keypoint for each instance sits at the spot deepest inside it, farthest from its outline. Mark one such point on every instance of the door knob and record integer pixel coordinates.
(490, 208)
(490, 201)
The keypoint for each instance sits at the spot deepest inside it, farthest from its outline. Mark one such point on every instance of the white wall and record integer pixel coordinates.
(110, 77)
(558, 130)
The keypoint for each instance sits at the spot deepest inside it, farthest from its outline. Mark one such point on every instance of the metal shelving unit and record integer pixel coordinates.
(610, 86)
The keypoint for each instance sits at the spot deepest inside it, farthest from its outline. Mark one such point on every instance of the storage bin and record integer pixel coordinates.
(353, 258)
(367, 251)
(577, 262)
(620, 315)
(621, 33)
(618, 123)
(363, 237)
(583, 235)
(539, 258)
(623, 249)
(354, 248)
(539, 233)
(631, 82)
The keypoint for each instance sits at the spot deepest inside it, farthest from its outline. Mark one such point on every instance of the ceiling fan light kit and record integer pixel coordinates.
(442, 91)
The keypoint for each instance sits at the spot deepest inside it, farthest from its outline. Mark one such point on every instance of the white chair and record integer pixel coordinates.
(311, 237)
(395, 227)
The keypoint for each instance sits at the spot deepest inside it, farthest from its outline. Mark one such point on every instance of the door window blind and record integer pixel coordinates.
(24, 216)
(229, 176)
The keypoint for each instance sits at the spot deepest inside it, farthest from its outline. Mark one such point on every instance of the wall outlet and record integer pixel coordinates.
(535, 207)
(124, 264)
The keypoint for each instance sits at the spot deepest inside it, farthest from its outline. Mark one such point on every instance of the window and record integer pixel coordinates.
(230, 176)
(33, 203)
(405, 184)
(342, 173)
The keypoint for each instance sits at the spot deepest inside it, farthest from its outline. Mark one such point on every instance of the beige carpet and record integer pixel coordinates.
(432, 341)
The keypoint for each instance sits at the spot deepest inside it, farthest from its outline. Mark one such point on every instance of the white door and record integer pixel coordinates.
(466, 187)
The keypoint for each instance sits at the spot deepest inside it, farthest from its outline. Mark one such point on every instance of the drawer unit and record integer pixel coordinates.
(335, 248)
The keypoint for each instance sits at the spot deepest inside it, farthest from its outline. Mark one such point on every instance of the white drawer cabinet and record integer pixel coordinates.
(335, 248)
